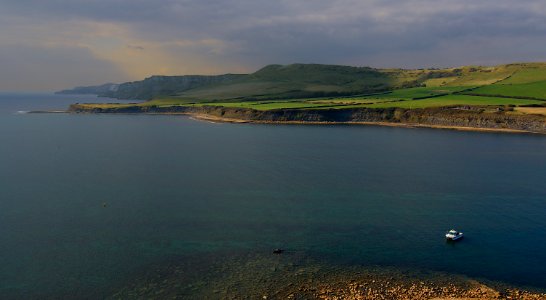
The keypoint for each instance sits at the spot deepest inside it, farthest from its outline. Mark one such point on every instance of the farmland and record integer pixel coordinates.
(301, 87)
(535, 90)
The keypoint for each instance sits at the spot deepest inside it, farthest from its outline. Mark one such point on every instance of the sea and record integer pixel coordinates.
(88, 201)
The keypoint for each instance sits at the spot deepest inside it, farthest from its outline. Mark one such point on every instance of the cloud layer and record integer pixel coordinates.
(118, 40)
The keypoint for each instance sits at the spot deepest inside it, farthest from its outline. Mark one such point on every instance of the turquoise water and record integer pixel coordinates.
(174, 186)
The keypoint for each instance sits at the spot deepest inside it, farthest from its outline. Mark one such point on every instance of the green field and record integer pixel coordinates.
(530, 73)
(531, 90)
(268, 105)
(419, 92)
(451, 100)
(345, 103)
(448, 100)
(474, 76)
(301, 86)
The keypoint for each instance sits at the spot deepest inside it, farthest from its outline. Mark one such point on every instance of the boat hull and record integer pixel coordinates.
(454, 238)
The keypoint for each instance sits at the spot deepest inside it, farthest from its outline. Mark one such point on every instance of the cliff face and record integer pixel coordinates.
(445, 116)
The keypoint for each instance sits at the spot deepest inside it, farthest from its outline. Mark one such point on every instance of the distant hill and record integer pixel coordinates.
(157, 86)
(92, 90)
(273, 81)
(303, 80)
(297, 81)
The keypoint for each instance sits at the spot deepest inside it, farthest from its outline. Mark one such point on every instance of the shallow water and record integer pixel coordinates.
(87, 200)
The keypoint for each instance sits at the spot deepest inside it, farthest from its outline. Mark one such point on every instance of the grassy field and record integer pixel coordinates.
(474, 76)
(345, 103)
(419, 92)
(268, 105)
(527, 74)
(532, 90)
(301, 86)
(450, 100)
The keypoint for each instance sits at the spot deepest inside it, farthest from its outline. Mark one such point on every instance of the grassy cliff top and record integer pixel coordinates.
(304, 86)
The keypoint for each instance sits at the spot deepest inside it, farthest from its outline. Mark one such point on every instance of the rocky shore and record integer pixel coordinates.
(291, 276)
(462, 118)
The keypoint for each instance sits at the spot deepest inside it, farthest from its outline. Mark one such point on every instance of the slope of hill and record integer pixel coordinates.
(271, 82)
(312, 85)
(527, 81)
(155, 86)
(91, 90)
(305, 80)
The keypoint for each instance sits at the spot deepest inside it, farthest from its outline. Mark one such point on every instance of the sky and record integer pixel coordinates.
(56, 44)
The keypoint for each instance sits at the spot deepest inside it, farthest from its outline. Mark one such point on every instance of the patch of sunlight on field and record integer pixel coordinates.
(532, 110)
(482, 77)
(438, 82)
(167, 101)
(349, 101)
(531, 74)
(267, 105)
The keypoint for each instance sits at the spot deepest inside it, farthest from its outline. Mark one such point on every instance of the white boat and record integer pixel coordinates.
(453, 235)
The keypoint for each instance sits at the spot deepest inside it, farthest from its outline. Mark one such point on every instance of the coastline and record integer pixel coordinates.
(211, 118)
(484, 119)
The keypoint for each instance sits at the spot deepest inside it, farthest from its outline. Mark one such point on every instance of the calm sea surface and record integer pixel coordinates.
(85, 200)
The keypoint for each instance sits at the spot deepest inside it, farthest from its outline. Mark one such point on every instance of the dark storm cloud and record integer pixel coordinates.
(252, 33)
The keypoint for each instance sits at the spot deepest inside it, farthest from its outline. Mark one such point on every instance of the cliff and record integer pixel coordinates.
(473, 117)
